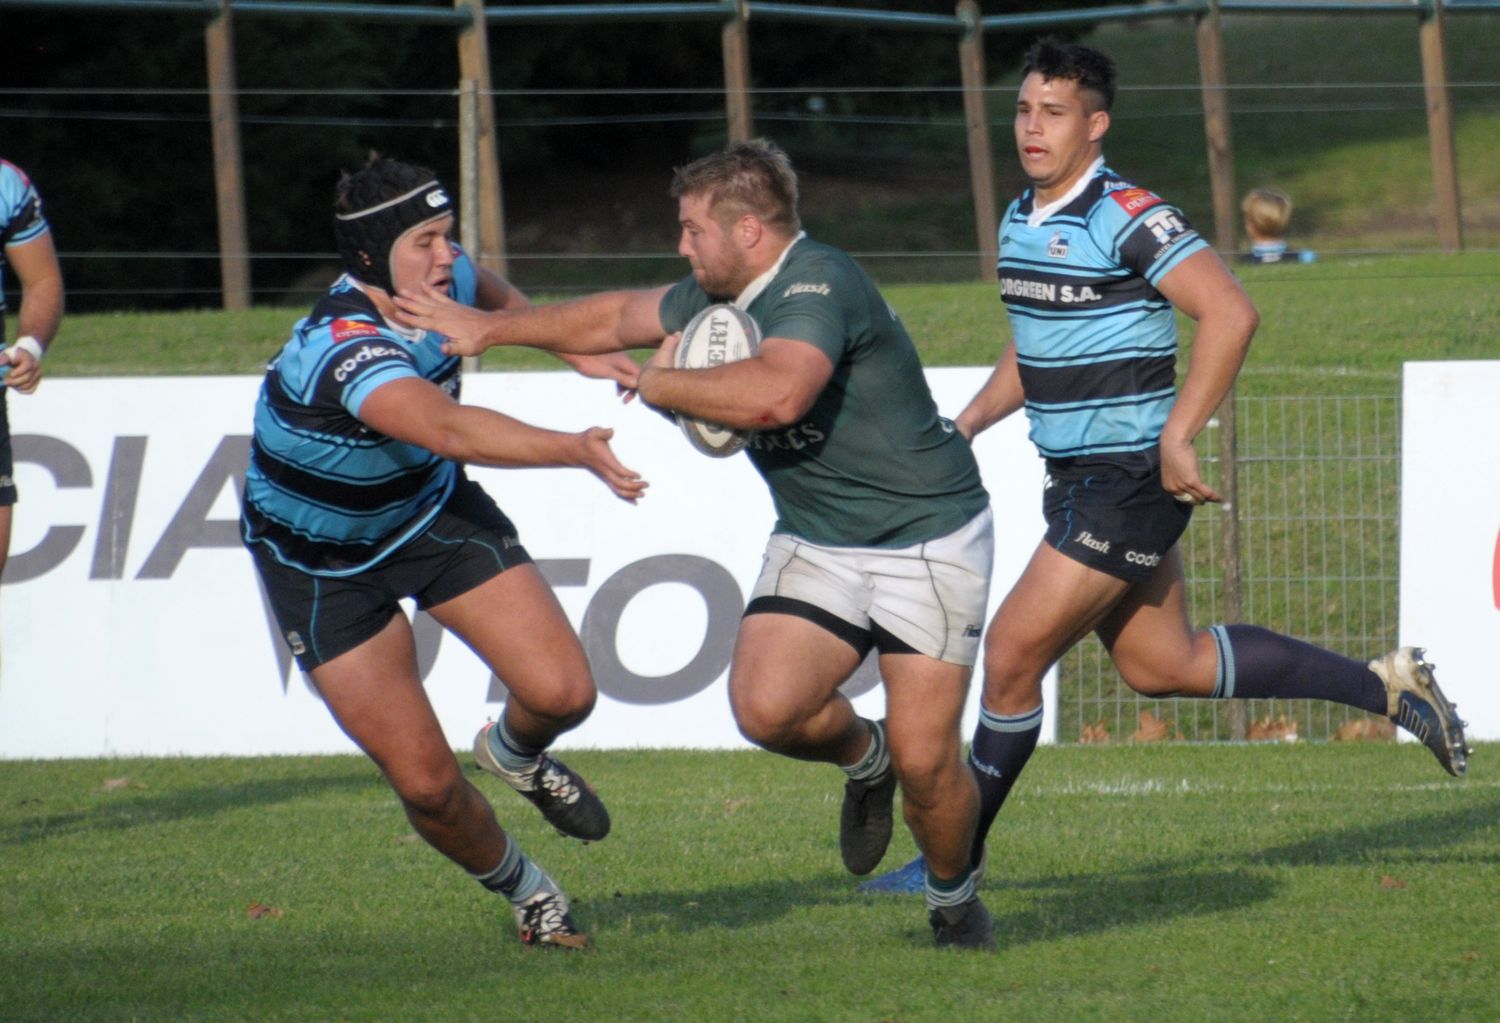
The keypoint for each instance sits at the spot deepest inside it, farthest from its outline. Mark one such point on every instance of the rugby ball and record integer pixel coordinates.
(718, 335)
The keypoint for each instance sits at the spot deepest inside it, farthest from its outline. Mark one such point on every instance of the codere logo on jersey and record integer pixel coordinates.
(1133, 200)
(347, 330)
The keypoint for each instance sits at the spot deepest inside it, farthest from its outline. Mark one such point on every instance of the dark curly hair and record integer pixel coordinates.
(1092, 70)
(379, 180)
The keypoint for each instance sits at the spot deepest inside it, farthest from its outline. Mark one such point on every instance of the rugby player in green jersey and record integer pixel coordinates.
(883, 536)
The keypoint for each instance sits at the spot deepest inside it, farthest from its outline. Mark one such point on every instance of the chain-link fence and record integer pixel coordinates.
(1319, 480)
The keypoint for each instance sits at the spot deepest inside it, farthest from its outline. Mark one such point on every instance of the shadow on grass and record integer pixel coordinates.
(148, 809)
(1076, 905)
(1419, 837)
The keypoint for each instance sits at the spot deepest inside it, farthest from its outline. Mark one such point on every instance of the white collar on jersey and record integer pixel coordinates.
(412, 334)
(1041, 213)
(754, 288)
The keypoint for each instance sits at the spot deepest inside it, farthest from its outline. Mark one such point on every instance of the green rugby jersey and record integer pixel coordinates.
(871, 464)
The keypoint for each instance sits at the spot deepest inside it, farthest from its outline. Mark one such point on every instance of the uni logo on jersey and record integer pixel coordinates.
(1057, 245)
(1133, 200)
(347, 330)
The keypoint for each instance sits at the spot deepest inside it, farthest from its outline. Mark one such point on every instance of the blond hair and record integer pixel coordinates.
(1267, 211)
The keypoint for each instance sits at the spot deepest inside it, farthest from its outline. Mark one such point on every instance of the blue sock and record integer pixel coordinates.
(1258, 664)
(511, 754)
(517, 878)
(1002, 745)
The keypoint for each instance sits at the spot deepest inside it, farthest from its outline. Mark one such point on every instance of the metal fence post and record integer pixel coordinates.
(1440, 126)
(736, 42)
(1229, 537)
(1216, 126)
(229, 172)
(977, 119)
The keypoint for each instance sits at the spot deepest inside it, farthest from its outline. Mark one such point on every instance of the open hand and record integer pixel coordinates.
(598, 458)
(616, 366)
(464, 327)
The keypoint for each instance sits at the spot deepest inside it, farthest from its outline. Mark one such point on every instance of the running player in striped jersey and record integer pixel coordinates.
(26, 245)
(356, 498)
(1091, 269)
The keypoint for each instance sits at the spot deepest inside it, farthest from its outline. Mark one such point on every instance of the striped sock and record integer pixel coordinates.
(517, 878)
(877, 759)
(511, 755)
(952, 892)
(1003, 743)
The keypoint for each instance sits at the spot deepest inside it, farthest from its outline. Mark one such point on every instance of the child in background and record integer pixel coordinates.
(1267, 212)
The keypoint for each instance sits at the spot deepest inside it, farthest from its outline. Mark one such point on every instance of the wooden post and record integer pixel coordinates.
(1440, 127)
(468, 179)
(474, 66)
(736, 43)
(1216, 128)
(977, 121)
(229, 176)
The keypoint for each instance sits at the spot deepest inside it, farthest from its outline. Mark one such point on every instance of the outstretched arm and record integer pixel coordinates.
(1203, 288)
(419, 412)
(999, 397)
(593, 325)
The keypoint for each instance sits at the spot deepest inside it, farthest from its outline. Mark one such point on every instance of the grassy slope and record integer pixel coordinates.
(1339, 326)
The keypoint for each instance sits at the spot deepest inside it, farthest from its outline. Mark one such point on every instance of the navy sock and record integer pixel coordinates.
(1257, 664)
(1002, 745)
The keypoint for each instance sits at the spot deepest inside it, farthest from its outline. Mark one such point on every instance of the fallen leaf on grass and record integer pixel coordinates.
(1366, 730)
(1094, 733)
(1471, 956)
(1268, 729)
(115, 784)
(259, 911)
(1153, 729)
(1390, 883)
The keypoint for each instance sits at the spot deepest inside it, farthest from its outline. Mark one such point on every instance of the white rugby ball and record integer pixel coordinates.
(718, 335)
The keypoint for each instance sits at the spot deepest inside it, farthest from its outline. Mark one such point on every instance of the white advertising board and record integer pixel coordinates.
(1450, 529)
(132, 622)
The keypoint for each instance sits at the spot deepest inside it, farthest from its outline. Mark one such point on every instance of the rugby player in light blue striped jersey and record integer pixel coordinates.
(1091, 269)
(356, 498)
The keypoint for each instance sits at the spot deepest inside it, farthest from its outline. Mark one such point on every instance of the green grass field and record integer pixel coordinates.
(1308, 882)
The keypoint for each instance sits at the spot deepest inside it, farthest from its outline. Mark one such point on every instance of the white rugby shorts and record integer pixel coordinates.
(931, 596)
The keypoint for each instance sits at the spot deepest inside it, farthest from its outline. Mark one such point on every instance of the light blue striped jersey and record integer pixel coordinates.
(21, 219)
(1095, 341)
(325, 493)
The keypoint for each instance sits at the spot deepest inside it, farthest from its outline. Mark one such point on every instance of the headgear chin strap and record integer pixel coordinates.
(365, 238)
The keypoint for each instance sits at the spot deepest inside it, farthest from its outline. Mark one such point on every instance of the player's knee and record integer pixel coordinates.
(432, 793)
(566, 702)
(764, 721)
